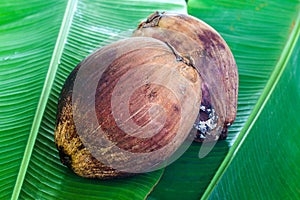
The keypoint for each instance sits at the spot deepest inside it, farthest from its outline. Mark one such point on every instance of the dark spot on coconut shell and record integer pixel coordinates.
(210, 40)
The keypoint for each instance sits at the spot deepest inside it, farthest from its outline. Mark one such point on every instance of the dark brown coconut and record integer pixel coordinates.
(212, 58)
(168, 81)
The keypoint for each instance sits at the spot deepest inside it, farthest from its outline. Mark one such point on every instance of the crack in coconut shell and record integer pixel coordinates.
(212, 58)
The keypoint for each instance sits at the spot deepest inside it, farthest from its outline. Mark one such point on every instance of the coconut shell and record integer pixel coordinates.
(126, 109)
(210, 55)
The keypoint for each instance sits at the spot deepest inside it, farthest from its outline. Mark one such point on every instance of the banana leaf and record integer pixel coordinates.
(41, 42)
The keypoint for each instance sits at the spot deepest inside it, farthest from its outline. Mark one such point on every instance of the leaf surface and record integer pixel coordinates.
(42, 42)
(264, 164)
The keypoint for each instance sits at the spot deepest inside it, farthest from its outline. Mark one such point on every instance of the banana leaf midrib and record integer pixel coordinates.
(49, 80)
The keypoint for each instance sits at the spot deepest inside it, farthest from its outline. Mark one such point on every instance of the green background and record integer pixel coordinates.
(42, 41)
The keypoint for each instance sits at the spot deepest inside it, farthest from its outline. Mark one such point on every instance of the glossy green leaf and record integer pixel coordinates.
(28, 34)
(261, 35)
(41, 42)
(265, 162)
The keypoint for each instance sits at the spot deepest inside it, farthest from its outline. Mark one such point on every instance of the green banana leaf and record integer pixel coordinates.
(41, 42)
